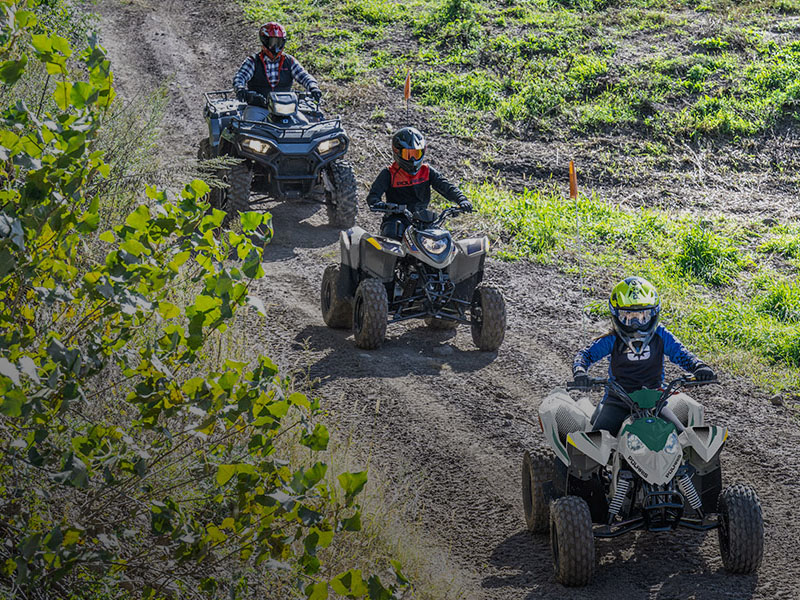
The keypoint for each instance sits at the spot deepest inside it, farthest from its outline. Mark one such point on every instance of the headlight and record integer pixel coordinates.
(328, 145)
(671, 447)
(257, 146)
(433, 246)
(634, 443)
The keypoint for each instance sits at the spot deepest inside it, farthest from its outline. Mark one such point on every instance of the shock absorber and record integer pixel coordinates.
(623, 485)
(689, 492)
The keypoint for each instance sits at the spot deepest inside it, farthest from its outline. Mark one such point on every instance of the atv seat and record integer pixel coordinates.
(259, 114)
(688, 410)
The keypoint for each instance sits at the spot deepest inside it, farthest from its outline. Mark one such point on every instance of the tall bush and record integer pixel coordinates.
(130, 462)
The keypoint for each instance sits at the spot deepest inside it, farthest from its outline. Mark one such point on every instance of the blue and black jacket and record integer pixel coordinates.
(634, 372)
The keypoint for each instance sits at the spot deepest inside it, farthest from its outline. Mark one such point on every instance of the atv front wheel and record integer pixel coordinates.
(370, 314)
(741, 529)
(538, 473)
(488, 315)
(239, 178)
(572, 541)
(337, 311)
(440, 324)
(342, 205)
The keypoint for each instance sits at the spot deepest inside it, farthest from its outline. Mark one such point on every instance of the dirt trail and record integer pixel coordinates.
(429, 406)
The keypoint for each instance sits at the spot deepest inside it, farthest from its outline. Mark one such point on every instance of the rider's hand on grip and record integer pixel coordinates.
(241, 95)
(380, 206)
(704, 373)
(465, 206)
(581, 382)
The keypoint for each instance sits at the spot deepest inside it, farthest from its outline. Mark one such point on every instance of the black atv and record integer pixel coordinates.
(290, 152)
(425, 275)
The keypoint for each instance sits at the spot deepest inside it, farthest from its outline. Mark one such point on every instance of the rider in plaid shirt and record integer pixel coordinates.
(271, 70)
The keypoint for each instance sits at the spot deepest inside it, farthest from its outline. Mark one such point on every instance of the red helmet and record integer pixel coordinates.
(273, 38)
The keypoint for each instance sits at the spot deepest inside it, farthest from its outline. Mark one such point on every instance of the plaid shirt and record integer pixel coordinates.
(299, 74)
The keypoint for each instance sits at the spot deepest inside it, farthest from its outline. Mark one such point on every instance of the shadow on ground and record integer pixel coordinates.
(663, 567)
(417, 350)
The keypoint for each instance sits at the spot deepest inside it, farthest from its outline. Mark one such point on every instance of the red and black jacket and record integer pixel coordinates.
(412, 190)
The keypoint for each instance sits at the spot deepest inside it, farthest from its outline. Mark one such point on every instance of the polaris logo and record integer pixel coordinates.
(636, 466)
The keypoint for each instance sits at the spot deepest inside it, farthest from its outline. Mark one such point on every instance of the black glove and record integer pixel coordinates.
(581, 380)
(465, 205)
(316, 94)
(256, 99)
(241, 95)
(379, 206)
(704, 373)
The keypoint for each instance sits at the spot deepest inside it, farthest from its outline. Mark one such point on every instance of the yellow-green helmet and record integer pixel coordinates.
(635, 307)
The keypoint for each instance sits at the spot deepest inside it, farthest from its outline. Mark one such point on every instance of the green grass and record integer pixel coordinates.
(648, 68)
(726, 290)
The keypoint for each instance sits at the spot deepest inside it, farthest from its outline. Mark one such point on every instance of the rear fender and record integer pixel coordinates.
(705, 441)
(559, 416)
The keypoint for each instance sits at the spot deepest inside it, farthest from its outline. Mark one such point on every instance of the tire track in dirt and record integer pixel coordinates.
(427, 406)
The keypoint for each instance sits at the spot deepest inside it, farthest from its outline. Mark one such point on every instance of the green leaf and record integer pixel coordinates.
(251, 220)
(82, 93)
(353, 483)
(317, 439)
(401, 579)
(62, 93)
(41, 43)
(224, 474)
(317, 591)
(376, 589)
(205, 303)
(108, 236)
(298, 399)
(12, 70)
(349, 584)
(351, 524)
(168, 310)
(138, 219)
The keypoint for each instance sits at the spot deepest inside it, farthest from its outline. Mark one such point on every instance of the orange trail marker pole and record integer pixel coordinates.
(407, 93)
(573, 181)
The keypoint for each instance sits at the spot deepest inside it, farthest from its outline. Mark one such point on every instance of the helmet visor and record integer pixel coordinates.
(411, 153)
(274, 44)
(636, 319)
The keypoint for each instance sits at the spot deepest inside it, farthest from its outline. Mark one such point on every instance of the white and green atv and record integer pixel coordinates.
(651, 476)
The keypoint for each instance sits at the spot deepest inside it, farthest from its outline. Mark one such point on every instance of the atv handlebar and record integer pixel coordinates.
(672, 387)
(391, 208)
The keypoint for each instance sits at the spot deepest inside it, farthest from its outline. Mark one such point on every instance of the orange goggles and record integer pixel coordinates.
(411, 153)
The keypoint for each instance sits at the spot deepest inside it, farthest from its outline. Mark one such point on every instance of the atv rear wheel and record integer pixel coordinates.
(440, 324)
(370, 314)
(337, 311)
(237, 196)
(741, 529)
(488, 314)
(572, 541)
(538, 473)
(342, 205)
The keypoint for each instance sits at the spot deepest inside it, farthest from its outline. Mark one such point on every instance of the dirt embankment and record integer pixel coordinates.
(429, 406)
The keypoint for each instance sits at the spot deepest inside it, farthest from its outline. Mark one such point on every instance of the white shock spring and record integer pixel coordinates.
(689, 491)
(623, 485)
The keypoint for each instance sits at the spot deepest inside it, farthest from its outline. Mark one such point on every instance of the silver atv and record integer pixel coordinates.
(425, 275)
(655, 475)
